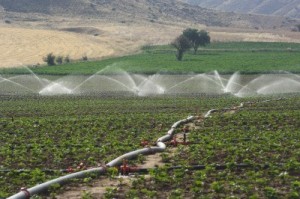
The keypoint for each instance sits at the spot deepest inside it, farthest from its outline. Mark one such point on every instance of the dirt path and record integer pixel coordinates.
(97, 188)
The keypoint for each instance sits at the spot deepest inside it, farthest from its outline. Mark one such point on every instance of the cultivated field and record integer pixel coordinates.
(42, 133)
(44, 137)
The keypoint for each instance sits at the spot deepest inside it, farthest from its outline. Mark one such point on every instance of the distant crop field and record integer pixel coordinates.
(225, 57)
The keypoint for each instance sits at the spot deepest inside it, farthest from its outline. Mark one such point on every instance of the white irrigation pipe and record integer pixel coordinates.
(160, 147)
(27, 193)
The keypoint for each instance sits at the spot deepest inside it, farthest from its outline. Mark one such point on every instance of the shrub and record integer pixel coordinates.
(84, 58)
(59, 59)
(49, 59)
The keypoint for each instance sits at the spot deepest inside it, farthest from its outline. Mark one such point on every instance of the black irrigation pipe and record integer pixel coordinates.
(234, 141)
(202, 167)
(146, 170)
(47, 171)
(32, 146)
(228, 140)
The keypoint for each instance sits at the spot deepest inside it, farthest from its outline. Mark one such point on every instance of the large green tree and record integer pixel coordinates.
(197, 38)
(182, 44)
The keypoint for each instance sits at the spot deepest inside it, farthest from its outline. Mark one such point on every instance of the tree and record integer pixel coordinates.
(197, 38)
(182, 44)
(193, 36)
(204, 38)
(50, 59)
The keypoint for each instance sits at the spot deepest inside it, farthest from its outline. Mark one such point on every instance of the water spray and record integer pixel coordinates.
(158, 84)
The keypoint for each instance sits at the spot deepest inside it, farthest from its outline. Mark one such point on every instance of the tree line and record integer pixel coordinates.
(52, 60)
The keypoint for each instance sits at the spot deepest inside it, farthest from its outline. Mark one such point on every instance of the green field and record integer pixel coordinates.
(57, 132)
(40, 133)
(246, 57)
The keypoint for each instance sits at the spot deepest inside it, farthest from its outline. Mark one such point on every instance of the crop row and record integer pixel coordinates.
(259, 136)
(60, 132)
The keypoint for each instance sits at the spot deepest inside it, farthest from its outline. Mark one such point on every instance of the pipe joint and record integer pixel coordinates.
(26, 192)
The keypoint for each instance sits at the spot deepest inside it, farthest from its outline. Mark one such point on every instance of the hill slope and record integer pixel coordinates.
(139, 10)
(30, 29)
(288, 8)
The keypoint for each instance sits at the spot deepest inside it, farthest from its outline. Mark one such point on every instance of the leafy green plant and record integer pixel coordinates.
(176, 194)
(217, 187)
(296, 186)
(132, 193)
(270, 192)
(110, 192)
(61, 132)
(148, 193)
(86, 195)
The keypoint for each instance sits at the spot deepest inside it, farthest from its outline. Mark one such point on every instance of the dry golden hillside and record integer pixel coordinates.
(28, 46)
(30, 29)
